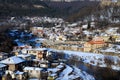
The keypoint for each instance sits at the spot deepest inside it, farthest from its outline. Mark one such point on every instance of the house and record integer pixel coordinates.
(3, 67)
(44, 63)
(52, 77)
(21, 47)
(14, 75)
(96, 42)
(25, 56)
(87, 47)
(53, 73)
(105, 36)
(37, 31)
(28, 59)
(61, 38)
(33, 72)
(54, 63)
(44, 74)
(111, 30)
(3, 55)
(38, 52)
(14, 63)
(117, 39)
(20, 75)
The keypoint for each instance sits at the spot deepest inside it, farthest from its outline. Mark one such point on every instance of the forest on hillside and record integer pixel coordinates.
(54, 9)
(70, 11)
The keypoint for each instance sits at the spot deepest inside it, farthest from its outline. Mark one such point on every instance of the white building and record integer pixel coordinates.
(33, 72)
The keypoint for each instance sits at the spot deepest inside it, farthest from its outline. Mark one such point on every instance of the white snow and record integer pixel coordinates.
(12, 60)
(113, 49)
(40, 49)
(92, 58)
(64, 75)
(2, 65)
(83, 74)
(19, 72)
(33, 68)
(72, 73)
(115, 67)
(53, 70)
(23, 55)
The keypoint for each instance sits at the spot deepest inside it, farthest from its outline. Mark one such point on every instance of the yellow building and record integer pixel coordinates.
(95, 43)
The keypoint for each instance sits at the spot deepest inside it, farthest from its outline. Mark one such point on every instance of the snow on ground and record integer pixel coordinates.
(70, 73)
(65, 74)
(113, 49)
(73, 73)
(94, 59)
(83, 74)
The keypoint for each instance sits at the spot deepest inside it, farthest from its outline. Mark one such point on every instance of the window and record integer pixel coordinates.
(30, 71)
(37, 71)
(34, 51)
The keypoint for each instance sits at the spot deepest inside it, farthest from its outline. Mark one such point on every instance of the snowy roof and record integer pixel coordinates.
(19, 43)
(40, 49)
(33, 68)
(13, 30)
(33, 79)
(97, 40)
(60, 66)
(23, 55)
(2, 65)
(18, 72)
(67, 71)
(87, 32)
(54, 70)
(12, 60)
(53, 74)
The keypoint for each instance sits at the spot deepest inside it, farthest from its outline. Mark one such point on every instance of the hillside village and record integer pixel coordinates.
(46, 48)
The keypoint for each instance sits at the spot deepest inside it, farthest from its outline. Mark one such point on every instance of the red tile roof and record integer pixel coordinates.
(97, 40)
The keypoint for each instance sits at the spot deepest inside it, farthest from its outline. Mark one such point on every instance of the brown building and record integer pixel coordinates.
(39, 53)
(95, 43)
(14, 63)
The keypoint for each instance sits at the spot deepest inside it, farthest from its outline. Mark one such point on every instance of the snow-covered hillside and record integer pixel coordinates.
(100, 60)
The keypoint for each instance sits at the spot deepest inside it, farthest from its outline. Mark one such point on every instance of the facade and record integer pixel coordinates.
(3, 55)
(3, 68)
(39, 53)
(37, 31)
(14, 63)
(95, 43)
(33, 72)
